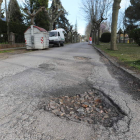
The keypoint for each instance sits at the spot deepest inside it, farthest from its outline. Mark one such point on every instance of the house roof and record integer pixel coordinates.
(39, 28)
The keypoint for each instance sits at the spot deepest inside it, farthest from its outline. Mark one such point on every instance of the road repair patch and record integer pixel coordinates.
(91, 107)
(81, 58)
(47, 66)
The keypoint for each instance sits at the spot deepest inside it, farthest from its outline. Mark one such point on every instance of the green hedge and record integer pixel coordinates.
(16, 28)
(135, 34)
(106, 37)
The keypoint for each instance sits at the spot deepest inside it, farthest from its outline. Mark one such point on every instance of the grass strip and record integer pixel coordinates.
(5, 51)
(127, 54)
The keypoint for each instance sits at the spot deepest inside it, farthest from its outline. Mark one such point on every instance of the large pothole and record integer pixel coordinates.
(91, 107)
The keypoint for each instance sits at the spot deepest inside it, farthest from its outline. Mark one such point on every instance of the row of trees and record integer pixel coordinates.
(98, 11)
(39, 13)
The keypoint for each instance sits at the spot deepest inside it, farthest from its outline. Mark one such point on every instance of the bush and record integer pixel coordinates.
(135, 34)
(106, 37)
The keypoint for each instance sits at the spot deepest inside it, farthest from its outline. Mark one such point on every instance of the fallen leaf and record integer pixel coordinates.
(101, 111)
(98, 101)
(85, 106)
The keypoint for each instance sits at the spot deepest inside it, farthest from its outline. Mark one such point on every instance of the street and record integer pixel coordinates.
(28, 81)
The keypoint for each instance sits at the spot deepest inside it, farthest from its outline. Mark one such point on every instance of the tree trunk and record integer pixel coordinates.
(119, 38)
(51, 26)
(98, 40)
(92, 38)
(67, 37)
(124, 37)
(0, 11)
(8, 31)
(116, 7)
(71, 37)
(32, 20)
(54, 25)
(74, 38)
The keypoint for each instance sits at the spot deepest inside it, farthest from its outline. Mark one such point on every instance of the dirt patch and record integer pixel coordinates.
(6, 54)
(91, 107)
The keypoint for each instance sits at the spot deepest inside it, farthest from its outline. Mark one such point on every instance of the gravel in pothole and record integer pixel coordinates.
(91, 107)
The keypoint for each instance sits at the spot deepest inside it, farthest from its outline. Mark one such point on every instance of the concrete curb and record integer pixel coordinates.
(133, 75)
(13, 48)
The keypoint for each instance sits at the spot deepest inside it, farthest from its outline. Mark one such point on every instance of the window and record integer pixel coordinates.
(52, 34)
(58, 34)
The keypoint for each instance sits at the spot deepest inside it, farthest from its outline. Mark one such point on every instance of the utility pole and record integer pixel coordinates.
(6, 9)
(7, 19)
(0, 7)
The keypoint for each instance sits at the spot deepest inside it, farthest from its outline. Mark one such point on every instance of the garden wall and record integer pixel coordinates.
(17, 45)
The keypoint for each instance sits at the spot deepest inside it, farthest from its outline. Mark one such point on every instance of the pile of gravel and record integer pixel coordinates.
(92, 107)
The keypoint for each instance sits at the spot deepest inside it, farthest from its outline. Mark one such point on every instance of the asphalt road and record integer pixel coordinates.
(28, 80)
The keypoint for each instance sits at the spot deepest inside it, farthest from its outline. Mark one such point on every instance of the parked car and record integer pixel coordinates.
(56, 37)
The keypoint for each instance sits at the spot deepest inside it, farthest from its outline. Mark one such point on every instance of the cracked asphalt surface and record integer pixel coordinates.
(29, 80)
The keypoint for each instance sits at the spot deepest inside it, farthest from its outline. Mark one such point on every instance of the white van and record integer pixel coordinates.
(56, 37)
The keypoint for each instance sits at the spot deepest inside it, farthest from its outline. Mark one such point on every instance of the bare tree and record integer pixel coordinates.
(103, 8)
(54, 12)
(30, 11)
(32, 15)
(116, 7)
(96, 12)
(90, 12)
(71, 33)
(88, 31)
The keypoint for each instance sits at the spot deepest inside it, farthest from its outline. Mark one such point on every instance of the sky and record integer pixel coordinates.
(73, 8)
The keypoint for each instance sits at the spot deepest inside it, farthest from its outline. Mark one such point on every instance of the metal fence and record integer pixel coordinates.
(3, 38)
(18, 38)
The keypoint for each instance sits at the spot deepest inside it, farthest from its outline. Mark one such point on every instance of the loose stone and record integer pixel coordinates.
(88, 107)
